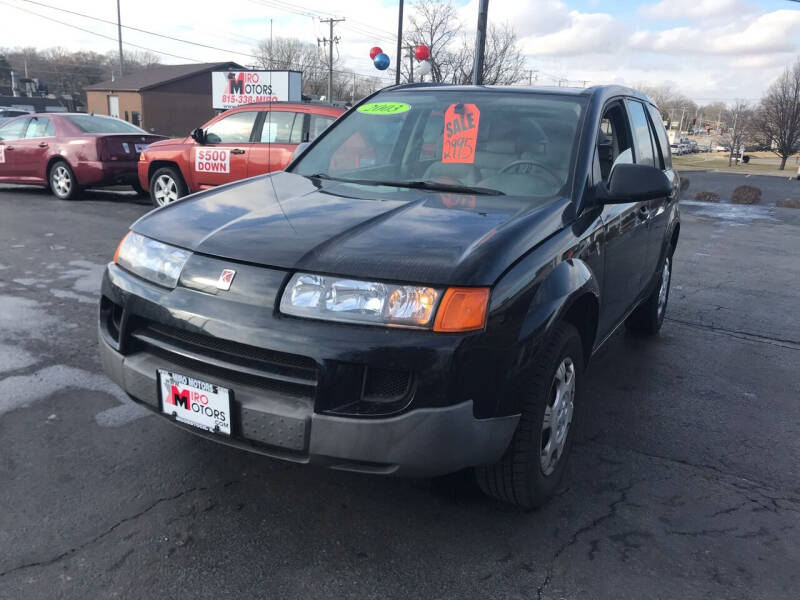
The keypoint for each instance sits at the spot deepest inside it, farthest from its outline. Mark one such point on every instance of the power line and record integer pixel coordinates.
(113, 39)
(285, 64)
(145, 31)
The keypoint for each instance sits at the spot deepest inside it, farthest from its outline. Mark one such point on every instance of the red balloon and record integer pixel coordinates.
(422, 52)
(374, 52)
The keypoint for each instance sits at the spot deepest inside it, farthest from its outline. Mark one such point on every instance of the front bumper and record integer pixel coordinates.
(432, 436)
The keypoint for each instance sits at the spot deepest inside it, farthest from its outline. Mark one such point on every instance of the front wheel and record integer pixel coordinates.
(167, 186)
(530, 471)
(649, 315)
(62, 181)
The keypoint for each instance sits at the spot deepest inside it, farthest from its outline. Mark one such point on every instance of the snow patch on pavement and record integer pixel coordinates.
(21, 391)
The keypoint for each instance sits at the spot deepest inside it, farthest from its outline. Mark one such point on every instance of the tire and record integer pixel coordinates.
(167, 186)
(523, 476)
(62, 181)
(648, 317)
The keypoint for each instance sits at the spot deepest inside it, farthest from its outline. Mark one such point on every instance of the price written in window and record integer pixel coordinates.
(461, 123)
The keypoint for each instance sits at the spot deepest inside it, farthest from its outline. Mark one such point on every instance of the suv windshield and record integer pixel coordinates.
(97, 124)
(514, 143)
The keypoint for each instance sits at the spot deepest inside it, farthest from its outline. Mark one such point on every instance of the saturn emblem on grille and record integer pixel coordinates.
(225, 279)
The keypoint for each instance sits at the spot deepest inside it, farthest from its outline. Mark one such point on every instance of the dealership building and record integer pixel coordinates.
(168, 100)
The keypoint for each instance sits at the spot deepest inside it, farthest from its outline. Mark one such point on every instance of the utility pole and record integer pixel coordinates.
(399, 44)
(480, 43)
(330, 41)
(680, 125)
(353, 93)
(533, 75)
(119, 37)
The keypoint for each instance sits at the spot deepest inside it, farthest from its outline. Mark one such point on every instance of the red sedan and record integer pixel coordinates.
(242, 142)
(70, 151)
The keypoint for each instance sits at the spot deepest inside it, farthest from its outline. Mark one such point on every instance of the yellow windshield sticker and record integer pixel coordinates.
(384, 108)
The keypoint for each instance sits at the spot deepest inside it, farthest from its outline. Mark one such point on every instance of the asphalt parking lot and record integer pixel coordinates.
(685, 482)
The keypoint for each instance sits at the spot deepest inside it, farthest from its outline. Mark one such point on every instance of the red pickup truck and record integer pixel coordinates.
(242, 142)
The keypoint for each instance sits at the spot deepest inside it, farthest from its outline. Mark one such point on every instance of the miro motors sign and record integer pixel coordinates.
(234, 88)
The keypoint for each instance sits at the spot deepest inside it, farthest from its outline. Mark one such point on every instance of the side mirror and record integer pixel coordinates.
(634, 183)
(198, 135)
(301, 147)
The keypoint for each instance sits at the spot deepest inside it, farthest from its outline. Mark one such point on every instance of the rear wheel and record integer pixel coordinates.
(649, 315)
(167, 186)
(62, 181)
(531, 469)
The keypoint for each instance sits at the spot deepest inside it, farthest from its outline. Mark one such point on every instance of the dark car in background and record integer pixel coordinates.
(69, 151)
(8, 113)
(241, 142)
(420, 291)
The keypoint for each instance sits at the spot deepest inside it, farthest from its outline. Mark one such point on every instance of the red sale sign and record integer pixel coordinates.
(212, 160)
(460, 133)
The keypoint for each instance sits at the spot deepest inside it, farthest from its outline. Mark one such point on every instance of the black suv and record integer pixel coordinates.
(419, 292)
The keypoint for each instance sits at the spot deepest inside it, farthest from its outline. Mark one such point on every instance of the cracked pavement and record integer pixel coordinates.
(684, 482)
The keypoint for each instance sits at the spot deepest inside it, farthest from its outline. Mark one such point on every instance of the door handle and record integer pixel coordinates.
(9, 147)
(43, 144)
(237, 151)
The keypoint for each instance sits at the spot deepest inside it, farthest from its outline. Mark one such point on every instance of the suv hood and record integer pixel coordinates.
(289, 221)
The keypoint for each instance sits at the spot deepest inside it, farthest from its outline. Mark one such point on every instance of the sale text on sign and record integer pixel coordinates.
(212, 160)
(460, 133)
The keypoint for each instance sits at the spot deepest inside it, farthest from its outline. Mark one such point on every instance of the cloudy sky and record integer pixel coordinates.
(709, 49)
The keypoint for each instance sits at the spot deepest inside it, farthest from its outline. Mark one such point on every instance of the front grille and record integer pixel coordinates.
(280, 372)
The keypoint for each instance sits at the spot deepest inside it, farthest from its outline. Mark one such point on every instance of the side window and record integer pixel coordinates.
(277, 127)
(613, 140)
(13, 130)
(40, 127)
(661, 136)
(641, 133)
(317, 124)
(297, 129)
(233, 129)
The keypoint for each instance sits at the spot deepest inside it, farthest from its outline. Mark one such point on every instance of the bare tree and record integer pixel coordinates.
(672, 103)
(294, 54)
(435, 24)
(778, 117)
(503, 62)
(740, 120)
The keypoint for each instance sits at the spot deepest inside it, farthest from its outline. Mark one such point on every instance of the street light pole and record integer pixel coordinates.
(399, 44)
(480, 43)
(119, 37)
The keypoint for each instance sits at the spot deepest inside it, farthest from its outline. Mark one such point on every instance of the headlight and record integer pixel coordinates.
(350, 300)
(151, 260)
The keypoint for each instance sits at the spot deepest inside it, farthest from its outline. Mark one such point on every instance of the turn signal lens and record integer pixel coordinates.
(462, 309)
(116, 252)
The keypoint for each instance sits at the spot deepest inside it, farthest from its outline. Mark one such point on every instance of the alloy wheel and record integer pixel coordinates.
(165, 190)
(558, 416)
(61, 181)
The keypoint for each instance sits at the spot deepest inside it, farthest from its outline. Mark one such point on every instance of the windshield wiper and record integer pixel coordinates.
(445, 187)
(418, 184)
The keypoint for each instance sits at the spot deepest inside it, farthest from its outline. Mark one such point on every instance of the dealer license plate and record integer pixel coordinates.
(198, 403)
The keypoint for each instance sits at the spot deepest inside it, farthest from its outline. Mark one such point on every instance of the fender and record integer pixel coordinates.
(569, 280)
(551, 292)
